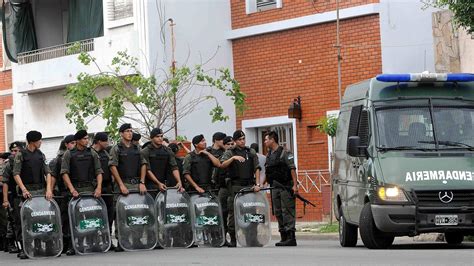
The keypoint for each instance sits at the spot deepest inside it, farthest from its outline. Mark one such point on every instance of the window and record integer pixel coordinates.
(413, 127)
(253, 6)
(119, 9)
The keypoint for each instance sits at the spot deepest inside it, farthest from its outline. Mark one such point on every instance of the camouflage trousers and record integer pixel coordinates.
(284, 209)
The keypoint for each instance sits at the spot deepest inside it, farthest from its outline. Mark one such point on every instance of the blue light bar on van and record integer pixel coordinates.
(426, 77)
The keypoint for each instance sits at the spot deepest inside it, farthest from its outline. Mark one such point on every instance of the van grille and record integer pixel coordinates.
(430, 198)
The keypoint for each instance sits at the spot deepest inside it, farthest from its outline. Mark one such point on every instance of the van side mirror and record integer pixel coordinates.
(354, 148)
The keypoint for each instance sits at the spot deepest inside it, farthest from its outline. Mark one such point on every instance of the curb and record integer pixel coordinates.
(312, 236)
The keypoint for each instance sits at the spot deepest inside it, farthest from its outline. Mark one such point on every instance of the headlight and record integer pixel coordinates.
(391, 194)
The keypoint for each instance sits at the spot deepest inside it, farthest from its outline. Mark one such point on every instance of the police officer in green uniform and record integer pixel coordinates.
(281, 174)
(81, 171)
(223, 185)
(219, 175)
(68, 143)
(243, 171)
(10, 199)
(100, 144)
(160, 161)
(127, 165)
(198, 166)
(30, 170)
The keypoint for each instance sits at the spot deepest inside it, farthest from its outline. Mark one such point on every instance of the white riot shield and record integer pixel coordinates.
(252, 219)
(175, 228)
(136, 216)
(207, 219)
(89, 223)
(41, 224)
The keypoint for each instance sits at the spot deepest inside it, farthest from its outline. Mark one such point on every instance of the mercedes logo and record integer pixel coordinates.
(446, 196)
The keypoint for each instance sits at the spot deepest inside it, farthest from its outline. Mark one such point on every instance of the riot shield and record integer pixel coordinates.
(136, 216)
(89, 225)
(175, 228)
(41, 224)
(208, 223)
(252, 219)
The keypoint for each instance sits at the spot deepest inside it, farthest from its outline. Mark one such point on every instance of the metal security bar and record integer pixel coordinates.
(309, 180)
(55, 51)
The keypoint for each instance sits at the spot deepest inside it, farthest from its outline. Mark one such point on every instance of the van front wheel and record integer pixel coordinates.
(453, 238)
(347, 232)
(372, 237)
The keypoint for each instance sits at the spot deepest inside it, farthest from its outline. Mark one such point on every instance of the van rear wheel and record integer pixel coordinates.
(453, 238)
(372, 237)
(347, 232)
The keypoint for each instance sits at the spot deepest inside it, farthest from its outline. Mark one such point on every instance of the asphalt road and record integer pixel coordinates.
(308, 252)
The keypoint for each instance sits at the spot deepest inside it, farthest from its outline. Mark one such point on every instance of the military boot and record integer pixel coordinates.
(233, 241)
(284, 237)
(70, 252)
(290, 241)
(12, 248)
(22, 255)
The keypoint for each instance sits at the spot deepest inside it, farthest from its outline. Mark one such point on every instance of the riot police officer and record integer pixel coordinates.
(30, 170)
(280, 173)
(243, 172)
(100, 144)
(198, 166)
(127, 165)
(10, 199)
(160, 161)
(68, 143)
(81, 170)
(219, 175)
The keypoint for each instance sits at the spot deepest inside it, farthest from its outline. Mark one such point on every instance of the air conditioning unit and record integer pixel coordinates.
(266, 4)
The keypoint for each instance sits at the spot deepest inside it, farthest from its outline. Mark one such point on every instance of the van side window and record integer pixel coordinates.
(364, 128)
(359, 125)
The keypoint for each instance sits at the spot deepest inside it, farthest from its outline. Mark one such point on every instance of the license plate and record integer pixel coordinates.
(446, 220)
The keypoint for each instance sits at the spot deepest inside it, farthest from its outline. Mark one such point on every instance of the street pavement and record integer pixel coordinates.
(308, 252)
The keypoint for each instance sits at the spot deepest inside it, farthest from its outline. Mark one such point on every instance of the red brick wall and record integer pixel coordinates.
(271, 74)
(290, 9)
(6, 101)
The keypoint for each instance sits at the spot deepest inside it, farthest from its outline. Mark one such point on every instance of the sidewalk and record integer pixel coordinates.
(311, 231)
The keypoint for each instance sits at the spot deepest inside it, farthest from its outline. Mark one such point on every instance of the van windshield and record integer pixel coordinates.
(422, 127)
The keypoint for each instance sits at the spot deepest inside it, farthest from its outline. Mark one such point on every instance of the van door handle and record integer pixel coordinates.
(341, 181)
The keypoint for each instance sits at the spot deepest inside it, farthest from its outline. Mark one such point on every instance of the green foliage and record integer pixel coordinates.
(328, 125)
(463, 11)
(181, 138)
(118, 94)
(329, 228)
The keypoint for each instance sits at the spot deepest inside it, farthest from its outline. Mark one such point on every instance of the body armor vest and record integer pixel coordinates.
(32, 168)
(201, 169)
(276, 169)
(159, 162)
(104, 164)
(81, 166)
(129, 162)
(242, 171)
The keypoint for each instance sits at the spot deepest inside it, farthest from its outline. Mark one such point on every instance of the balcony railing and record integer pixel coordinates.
(310, 180)
(55, 51)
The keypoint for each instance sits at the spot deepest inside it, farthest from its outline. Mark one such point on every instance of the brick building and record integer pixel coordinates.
(284, 49)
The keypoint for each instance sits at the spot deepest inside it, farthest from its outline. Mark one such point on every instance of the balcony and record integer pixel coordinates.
(55, 52)
(55, 67)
